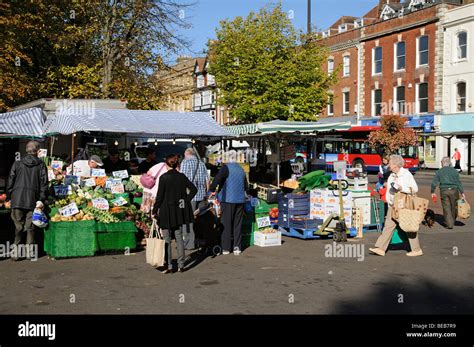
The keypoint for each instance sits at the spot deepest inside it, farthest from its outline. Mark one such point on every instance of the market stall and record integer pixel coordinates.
(101, 213)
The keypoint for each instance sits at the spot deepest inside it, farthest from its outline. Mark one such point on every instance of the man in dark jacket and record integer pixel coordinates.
(27, 189)
(232, 183)
(173, 208)
(450, 186)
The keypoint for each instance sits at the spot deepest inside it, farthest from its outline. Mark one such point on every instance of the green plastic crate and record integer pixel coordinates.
(247, 241)
(116, 236)
(70, 239)
(264, 207)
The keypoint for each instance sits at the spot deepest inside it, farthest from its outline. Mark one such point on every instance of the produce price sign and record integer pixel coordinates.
(57, 164)
(120, 201)
(90, 182)
(69, 210)
(110, 181)
(97, 172)
(42, 153)
(51, 175)
(101, 204)
(61, 190)
(71, 180)
(263, 222)
(120, 174)
(117, 188)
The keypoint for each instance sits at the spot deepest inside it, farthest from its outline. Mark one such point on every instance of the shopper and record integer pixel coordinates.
(233, 185)
(457, 159)
(195, 170)
(149, 162)
(450, 186)
(383, 174)
(27, 189)
(114, 163)
(82, 168)
(173, 208)
(149, 194)
(401, 180)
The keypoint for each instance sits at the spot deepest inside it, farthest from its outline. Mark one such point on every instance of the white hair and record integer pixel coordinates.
(189, 151)
(445, 161)
(397, 160)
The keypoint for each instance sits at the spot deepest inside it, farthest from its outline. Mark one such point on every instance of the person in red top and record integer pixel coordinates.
(457, 158)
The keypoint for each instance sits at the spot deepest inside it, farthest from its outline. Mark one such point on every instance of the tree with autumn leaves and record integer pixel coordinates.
(87, 49)
(393, 135)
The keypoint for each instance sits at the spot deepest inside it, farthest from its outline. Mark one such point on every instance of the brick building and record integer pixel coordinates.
(390, 59)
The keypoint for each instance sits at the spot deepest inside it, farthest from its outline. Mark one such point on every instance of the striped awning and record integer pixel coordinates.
(27, 122)
(286, 127)
(160, 124)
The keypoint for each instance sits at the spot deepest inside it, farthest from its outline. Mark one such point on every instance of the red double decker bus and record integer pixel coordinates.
(352, 146)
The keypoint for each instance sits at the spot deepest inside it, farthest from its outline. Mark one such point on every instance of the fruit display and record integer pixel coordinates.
(101, 216)
(274, 213)
(130, 186)
(81, 216)
(268, 231)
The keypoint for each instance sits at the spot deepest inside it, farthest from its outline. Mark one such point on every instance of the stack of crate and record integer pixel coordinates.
(291, 206)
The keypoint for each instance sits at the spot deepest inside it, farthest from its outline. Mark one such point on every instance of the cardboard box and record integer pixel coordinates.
(365, 205)
(267, 240)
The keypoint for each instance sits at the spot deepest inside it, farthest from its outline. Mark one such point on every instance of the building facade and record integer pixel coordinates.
(178, 84)
(205, 92)
(393, 59)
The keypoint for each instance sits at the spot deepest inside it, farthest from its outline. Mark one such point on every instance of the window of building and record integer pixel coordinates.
(400, 99)
(197, 100)
(346, 69)
(377, 61)
(210, 80)
(346, 102)
(423, 98)
(330, 66)
(462, 45)
(423, 50)
(200, 81)
(377, 102)
(461, 97)
(400, 55)
(331, 105)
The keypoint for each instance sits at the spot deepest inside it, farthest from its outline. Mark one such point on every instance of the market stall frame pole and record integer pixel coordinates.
(279, 159)
(73, 135)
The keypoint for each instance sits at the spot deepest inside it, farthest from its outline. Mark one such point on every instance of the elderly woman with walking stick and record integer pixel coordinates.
(400, 180)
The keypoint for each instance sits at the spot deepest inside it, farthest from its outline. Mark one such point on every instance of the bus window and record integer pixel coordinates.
(328, 147)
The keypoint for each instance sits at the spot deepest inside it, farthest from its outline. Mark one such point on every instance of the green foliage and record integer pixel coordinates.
(266, 70)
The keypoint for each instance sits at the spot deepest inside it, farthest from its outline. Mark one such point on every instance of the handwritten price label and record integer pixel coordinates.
(101, 204)
(71, 180)
(98, 173)
(120, 174)
(90, 182)
(263, 222)
(57, 164)
(69, 210)
(117, 188)
(111, 181)
(61, 190)
(51, 175)
(120, 201)
(42, 153)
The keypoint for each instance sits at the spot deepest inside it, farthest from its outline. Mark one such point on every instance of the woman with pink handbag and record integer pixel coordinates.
(150, 182)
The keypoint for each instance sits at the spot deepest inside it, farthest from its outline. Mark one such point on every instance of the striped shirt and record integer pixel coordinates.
(188, 168)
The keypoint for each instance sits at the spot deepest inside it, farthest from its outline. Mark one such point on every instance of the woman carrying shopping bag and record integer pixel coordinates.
(401, 180)
(173, 209)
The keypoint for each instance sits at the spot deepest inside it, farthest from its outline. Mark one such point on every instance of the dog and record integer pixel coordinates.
(429, 218)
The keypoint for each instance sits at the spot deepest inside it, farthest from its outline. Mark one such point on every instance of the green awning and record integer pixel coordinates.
(286, 127)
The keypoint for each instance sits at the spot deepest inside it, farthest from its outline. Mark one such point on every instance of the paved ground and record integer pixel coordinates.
(294, 278)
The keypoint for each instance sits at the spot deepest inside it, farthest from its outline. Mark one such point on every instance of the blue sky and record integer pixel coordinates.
(206, 14)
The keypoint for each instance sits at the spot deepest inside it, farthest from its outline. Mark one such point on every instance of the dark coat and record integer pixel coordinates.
(173, 201)
(27, 183)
